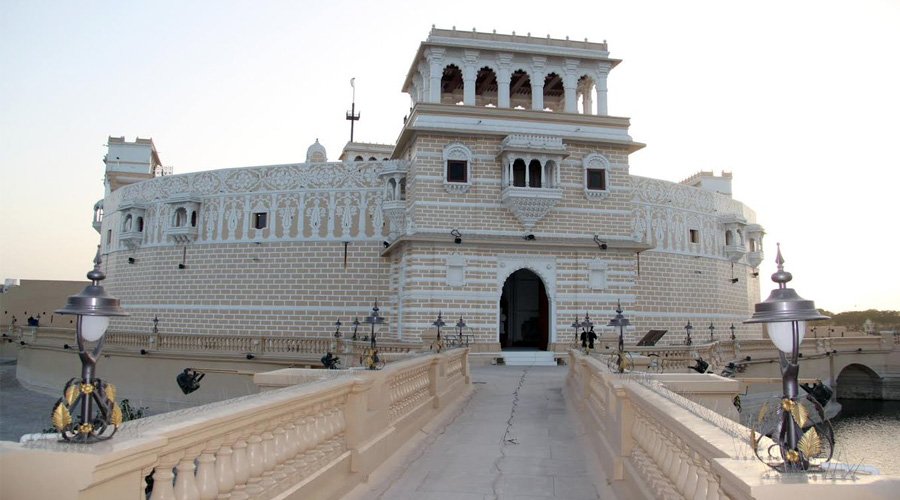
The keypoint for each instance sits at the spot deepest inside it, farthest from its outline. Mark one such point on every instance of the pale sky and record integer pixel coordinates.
(799, 99)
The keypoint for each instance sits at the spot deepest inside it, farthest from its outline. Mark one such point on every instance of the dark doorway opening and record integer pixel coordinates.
(524, 312)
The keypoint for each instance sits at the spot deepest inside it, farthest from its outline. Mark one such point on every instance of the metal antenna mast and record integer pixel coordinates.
(352, 115)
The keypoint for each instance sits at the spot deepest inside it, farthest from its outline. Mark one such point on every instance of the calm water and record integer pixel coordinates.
(868, 432)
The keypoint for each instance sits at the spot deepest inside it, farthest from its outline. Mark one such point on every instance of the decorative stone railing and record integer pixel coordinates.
(316, 440)
(274, 346)
(655, 443)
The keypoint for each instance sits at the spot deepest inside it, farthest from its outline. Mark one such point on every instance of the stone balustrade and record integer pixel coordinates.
(315, 440)
(213, 344)
(654, 443)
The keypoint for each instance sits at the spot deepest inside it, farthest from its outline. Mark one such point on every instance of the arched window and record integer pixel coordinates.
(554, 93)
(372, 158)
(518, 179)
(520, 90)
(140, 224)
(596, 176)
(486, 87)
(729, 238)
(535, 174)
(193, 219)
(452, 85)
(180, 217)
(358, 158)
(126, 225)
(457, 168)
(392, 189)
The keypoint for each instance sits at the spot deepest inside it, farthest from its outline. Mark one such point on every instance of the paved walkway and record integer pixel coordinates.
(21, 411)
(514, 438)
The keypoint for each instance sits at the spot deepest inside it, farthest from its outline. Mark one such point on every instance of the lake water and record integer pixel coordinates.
(868, 432)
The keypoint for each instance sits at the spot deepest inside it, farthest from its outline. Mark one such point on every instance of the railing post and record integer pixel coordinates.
(207, 484)
(162, 478)
(185, 481)
(357, 416)
(436, 372)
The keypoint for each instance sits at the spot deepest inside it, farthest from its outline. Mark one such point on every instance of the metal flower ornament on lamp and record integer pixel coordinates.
(800, 445)
(95, 399)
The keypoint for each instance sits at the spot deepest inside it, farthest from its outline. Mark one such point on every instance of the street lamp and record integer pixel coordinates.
(785, 315)
(438, 323)
(459, 328)
(356, 324)
(587, 334)
(95, 398)
(575, 326)
(687, 328)
(621, 322)
(337, 335)
(374, 319)
(732, 332)
(712, 329)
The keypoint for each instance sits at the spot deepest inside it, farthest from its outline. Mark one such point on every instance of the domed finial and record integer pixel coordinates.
(781, 276)
(95, 274)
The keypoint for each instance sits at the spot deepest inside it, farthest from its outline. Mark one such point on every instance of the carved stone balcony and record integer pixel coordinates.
(183, 234)
(395, 213)
(131, 239)
(755, 258)
(530, 205)
(735, 252)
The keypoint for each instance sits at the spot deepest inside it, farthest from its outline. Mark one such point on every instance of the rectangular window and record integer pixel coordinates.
(259, 220)
(695, 235)
(457, 171)
(596, 179)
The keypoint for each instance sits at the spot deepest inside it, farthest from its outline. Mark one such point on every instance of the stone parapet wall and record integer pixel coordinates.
(316, 440)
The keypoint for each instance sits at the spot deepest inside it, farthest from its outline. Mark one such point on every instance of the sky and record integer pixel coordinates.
(798, 99)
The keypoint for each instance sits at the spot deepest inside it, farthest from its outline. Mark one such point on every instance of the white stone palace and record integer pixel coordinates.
(507, 201)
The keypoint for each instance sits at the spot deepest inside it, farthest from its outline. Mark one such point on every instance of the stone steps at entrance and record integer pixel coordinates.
(528, 358)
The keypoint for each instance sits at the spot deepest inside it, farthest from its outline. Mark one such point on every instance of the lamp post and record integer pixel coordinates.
(337, 335)
(587, 328)
(621, 322)
(732, 332)
(438, 323)
(95, 398)
(374, 319)
(785, 314)
(459, 328)
(712, 329)
(687, 328)
(356, 324)
(575, 326)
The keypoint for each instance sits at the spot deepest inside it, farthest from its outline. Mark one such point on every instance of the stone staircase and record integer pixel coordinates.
(528, 358)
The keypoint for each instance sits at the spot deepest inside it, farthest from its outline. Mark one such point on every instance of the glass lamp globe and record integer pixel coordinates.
(782, 334)
(93, 327)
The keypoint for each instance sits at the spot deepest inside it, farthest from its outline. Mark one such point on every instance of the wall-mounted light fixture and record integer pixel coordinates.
(183, 259)
(457, 236)
(131, 260)
(528, 237)
(600, 243)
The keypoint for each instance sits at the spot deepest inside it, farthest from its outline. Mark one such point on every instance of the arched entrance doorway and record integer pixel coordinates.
(524, 312)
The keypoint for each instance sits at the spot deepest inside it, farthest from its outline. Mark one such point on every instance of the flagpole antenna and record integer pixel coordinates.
(352, 115)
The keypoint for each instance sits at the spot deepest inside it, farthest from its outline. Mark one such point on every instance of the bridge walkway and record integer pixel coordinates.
(514, 438)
